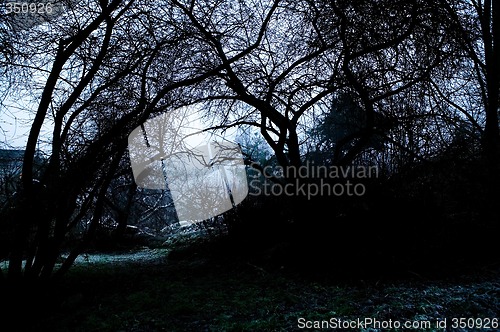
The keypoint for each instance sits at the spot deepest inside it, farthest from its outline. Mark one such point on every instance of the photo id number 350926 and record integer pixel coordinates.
(28, 8)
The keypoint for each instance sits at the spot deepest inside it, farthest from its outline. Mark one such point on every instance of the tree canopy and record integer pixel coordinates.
(392, 82)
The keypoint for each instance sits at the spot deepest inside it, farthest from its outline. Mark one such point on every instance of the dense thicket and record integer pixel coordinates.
(408, 86)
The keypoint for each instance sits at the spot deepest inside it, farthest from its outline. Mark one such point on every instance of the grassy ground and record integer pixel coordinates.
(198, 292)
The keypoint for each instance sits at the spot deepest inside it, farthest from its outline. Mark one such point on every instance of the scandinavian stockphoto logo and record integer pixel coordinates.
(171, 152)
(310, 180)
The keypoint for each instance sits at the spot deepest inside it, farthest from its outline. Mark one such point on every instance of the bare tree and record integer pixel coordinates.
(102, 68)
(99, 70)
(469, 88)
(299, 57)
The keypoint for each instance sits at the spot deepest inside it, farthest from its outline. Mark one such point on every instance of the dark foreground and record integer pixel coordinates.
(198, 292)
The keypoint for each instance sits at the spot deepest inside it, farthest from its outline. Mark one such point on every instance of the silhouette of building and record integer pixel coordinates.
(11, 164)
